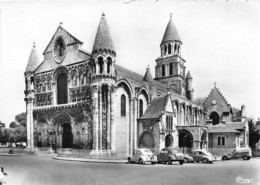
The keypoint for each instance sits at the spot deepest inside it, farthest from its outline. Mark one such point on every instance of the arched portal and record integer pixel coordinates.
(67, 137)
(185, 140)
(168, 141)
(214, 116)
(146, 140)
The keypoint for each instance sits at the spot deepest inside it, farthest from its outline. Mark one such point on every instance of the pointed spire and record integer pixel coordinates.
(189, 75)
(171, 33)
(34, 60)
(148, 75)
(103, 40)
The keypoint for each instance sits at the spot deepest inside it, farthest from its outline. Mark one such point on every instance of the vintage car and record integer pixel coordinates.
(202, 155)
(244, 153)
(188, 159)
(142, 156)
(168, 155)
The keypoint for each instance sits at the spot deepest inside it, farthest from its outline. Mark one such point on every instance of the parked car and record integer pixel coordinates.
(244, 153)
(202, 155)
(142, 156)
(168, 155)
(188, 159)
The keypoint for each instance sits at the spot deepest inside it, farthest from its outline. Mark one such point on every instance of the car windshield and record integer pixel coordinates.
(148, 152)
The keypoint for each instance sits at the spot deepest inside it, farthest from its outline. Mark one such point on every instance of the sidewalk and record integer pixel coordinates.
(92, 160)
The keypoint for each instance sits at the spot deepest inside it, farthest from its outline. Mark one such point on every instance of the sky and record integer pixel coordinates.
(221, 42)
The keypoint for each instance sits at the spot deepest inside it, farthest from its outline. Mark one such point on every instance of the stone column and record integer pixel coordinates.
(112, 122)
(131, 123)
(95, 117)
(100, 124)
(135, 127)
(105, 67)
(108, 118)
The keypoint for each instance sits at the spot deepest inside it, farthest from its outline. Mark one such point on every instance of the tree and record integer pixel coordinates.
(13, 124)
(2, 125)
(254, 135)
(21, 119)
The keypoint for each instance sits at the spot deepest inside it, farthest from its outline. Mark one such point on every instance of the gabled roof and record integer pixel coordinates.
(103, 40)
(215, 94)
(34, 60)
(171, 33)
(233, 127)
(60, 28)
(154, 110)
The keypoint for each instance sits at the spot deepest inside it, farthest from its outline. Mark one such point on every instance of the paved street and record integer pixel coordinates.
(35, 170)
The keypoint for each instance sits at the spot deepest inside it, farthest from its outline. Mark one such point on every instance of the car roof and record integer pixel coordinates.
(143, 149)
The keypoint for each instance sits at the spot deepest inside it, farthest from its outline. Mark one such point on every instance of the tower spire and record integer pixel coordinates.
(33, 61)
(103, 40)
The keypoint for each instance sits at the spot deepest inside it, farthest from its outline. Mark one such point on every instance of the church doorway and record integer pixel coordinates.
(203, 140)
(67, 137)
(185, 141)
(146, 140)
(168, 141)
(214, 117)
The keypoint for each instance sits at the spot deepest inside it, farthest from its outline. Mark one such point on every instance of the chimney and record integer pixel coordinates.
(243, 111)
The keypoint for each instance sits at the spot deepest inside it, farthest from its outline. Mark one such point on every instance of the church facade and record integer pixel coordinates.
(85, 100)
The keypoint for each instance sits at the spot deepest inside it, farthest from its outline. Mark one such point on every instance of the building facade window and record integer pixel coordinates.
(221, 141)
(123, 105)
(62, 88)
(163, 70)
(140, 108)
(100, 63)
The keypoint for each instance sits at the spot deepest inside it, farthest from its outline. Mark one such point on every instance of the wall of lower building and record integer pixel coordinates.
(122, 123)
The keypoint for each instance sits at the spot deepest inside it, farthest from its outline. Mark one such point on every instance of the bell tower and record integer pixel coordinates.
(170, 66)
(104, 79)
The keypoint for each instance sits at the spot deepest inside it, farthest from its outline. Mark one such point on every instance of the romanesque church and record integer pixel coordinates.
(87, 101)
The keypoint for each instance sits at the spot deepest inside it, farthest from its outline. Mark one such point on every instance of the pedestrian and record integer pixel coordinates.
(2, 175)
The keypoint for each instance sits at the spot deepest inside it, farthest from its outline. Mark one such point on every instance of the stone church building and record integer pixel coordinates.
(87, 102)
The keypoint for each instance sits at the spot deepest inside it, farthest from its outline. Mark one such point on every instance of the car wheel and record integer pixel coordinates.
(181, 162)
(129, 159)
(224, 158)
(204, 160)
(245, 158)
(141, 161)
(170, 162)
(185, 160)
(153, 163)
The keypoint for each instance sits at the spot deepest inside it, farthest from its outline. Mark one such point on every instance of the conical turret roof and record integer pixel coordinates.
(148, 75)
(189, 75)
(171, 33)
(103, 38)
(34, 60)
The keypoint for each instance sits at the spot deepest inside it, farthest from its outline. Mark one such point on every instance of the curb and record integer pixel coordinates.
(91, 160)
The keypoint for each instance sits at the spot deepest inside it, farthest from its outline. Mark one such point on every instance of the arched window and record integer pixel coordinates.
(215, 118)
(62, 89)
(123, 105)
(169, 48)
(140, 108)
(100, 63)
(109, 63)
(163, 70)
(171, 68)
(175, 47)
(223, 140)
(165, 49)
